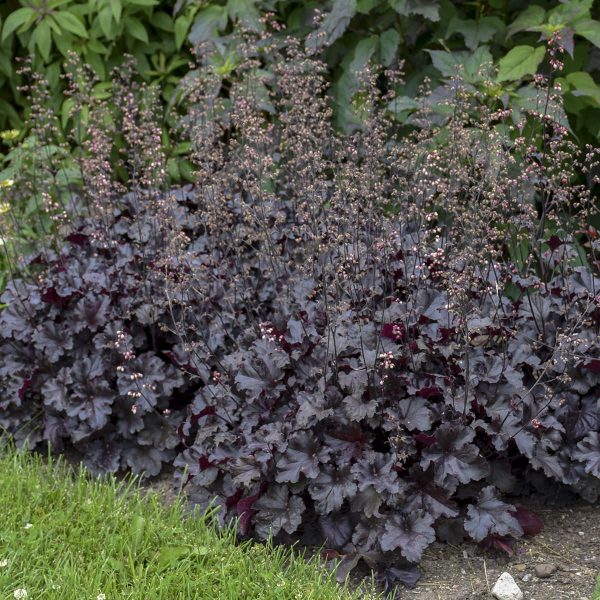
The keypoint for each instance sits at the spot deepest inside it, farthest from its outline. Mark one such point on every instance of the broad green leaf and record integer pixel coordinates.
(9, 111)
(402, 103)
(532, 16)
(590, 30)
(447, 63)
(6, 66)
(186, 169)
(102, 90)
(334, 24)
(182, 25)
(475, 32)
(136, 29)
(519, 62)
(97, 63)
(363, 52)
(582, 84)
(116, 9)
(169, 555)
(430, 9)
(477, 64)
(246, 12)
(161, 20)
(64, 43)
(530, 98)
(68, 176)
(54, 26)
(42, 38)
(97, 46)
(389, 41)
(207, 20)
(71, 23)
(364, 7)
(471, 65)
(56, 3)
(568, 13)
(53, 74)
(17, 19)
(105, 19)
(65, 111)
(173, 170)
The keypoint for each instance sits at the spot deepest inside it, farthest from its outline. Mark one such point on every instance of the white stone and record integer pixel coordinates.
(506, 588)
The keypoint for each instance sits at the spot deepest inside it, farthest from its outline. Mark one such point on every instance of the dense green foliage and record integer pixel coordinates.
(65, 535)
(429, 37)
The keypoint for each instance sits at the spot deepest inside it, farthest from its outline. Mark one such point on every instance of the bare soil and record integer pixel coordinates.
(570, 540)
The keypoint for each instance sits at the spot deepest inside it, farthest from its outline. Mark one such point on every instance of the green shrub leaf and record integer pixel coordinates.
(388, 46)
(207, 20)
(519, 62)
(42, 38)
(136, 29)
(430, 9)
(475, 32)
(182, 25)
(582, 84)
(16, 19)
(532, 16)
(590, 30)
(71, 23)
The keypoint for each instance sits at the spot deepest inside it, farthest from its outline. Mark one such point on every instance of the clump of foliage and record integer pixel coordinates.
(407, 326)
(85, 362)
(83, 357)
(374, 334)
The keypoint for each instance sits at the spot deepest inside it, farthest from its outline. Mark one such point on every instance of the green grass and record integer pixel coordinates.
(66, 535)
(596, 592)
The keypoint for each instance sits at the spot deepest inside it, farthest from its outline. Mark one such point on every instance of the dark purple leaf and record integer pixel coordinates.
(302, 457)
(337, 529)
(491, 516)
(277, 510)
(330, 488)
(588, 452)
(453, 457)
(410, 532)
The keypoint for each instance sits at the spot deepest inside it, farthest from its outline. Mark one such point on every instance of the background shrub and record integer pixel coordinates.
(430, 38)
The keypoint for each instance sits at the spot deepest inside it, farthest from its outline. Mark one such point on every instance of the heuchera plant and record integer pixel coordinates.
(375, 336)
(84, 362)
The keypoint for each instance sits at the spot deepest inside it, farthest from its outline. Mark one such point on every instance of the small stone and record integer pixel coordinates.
(520, 567)
(580, 533)
(545, 570)
(506, 588)
(527, 577)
